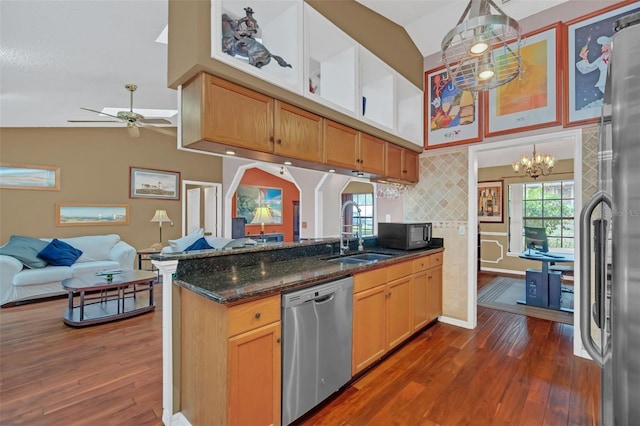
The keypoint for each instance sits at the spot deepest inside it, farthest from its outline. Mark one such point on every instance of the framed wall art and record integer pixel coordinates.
(155, 184)
(532, 99)
(259, 205)
(490, 201)
(85, 214)
(587, 56)
(23, 176)
(453, 117)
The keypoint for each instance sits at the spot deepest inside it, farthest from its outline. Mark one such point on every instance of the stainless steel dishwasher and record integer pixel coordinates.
(316, 357)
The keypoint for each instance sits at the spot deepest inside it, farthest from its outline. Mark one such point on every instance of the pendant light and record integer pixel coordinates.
(482, 52)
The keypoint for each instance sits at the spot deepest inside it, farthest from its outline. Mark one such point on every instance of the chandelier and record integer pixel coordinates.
(482, 52)
(538, 164)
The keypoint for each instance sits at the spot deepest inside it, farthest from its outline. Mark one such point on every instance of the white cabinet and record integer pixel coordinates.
(330, 71)
(279, 31)
(377, 91)
(409, 111)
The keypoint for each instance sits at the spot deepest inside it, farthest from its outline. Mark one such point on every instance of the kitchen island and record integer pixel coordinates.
(222, 338)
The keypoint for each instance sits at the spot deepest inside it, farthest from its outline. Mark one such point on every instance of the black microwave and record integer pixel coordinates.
(404, 236)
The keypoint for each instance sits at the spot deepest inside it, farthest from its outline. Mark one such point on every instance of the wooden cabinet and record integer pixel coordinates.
(298, 133)
(434, 286)
(351, 149)
(401, 163)
(426, 290)
(230, 361)
(223, 112)
(381, 313)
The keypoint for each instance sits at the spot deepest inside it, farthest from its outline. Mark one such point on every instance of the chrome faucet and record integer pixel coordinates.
(344, 246)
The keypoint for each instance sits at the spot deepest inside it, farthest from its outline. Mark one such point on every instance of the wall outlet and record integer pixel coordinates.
(461, 230)
(387, 218)
(304, 225)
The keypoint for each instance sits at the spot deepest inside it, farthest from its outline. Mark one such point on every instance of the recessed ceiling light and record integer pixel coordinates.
(332, 170)
(230, 152)
(287, 163)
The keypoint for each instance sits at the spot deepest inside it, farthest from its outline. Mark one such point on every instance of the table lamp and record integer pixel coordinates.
(262, 215)
(160, 216)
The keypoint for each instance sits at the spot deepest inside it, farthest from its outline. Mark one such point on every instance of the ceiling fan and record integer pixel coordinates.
(132, 119)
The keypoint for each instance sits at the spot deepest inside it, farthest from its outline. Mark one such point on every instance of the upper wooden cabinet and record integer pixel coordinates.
(401, 163)
(298, 133)
(349, 148)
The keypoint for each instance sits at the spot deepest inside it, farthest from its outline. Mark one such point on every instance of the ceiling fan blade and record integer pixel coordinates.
(164, 130)
(94, 121)
(100, 112)
(154, 121)
(134, 132)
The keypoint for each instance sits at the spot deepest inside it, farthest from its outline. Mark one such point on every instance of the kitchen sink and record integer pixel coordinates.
(360, 258)
(369, 256)
(347, 260)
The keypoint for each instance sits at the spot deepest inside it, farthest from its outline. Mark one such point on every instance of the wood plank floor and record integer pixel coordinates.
(510, 370)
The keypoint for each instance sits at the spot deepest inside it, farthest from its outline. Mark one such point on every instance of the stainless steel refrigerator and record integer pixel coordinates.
(610, 237)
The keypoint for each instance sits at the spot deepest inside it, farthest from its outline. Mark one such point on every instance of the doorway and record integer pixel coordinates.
(201, 207)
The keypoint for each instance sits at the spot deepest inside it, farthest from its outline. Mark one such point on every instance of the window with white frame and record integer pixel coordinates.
(365, 202)
(549, 205)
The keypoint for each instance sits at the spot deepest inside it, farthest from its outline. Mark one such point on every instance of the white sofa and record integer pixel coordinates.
(19, 283)
(219, 243)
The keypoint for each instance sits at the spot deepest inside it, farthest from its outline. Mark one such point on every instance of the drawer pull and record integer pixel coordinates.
(257, 315)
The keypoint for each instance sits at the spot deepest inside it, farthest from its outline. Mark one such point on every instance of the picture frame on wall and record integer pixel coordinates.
(251, 202)
(453, 117)
(24, 176)
(532, 99)
(490, 201)
(86, 214)
(588, 41)
(154, 184)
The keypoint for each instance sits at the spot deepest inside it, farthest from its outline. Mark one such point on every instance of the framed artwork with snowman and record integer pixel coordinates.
(454, 116)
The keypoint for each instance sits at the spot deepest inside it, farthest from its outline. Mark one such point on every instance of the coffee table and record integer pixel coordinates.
(104, 298)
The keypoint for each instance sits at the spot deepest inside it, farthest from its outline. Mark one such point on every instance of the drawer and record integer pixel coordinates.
(369, 279)
(251, 315)
(435, 260)
(399, 270)
(421, 264)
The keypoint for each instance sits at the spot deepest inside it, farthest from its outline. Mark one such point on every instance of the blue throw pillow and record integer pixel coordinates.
(59, 253)
(26, 250)
(200, 244)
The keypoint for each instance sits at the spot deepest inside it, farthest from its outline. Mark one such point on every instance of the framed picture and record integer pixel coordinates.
(532, 99)
(23, 176)
(156, 184)
(490, 201)
(83, 214)
(587, 55)
(259, 205)
(453, 116)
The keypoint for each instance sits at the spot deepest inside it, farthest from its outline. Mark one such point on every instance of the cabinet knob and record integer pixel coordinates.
(271, 138)
(404, 171)
(279, 141)
(257, 315)
(278, 340)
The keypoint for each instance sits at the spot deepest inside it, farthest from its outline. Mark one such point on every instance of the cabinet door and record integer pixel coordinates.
(340, 145)
(434, 292)
(399, 316)
(371, 154)
(298, 133)
(393, 161)
(237, 116)
(411, 164)
(419, 293)
(254, 372)
(369, 323)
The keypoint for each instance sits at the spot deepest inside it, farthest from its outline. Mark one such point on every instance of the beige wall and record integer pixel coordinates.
(441, 198)
(94, 164)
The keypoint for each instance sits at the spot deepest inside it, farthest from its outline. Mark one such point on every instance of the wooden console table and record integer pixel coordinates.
(102, 300)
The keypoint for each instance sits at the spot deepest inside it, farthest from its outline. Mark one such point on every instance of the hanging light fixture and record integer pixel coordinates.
(482, 52)
(538, 164)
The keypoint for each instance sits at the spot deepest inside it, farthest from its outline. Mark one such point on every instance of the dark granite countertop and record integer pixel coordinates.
(228, 277)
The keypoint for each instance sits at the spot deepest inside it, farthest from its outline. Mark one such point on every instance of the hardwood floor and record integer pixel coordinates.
(509, 370)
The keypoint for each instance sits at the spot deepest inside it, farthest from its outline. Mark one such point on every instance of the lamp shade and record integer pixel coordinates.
(262, 215)
(160, 216)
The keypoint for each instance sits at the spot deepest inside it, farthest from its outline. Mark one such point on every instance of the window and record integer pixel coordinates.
(365, 202)
(548, 205)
